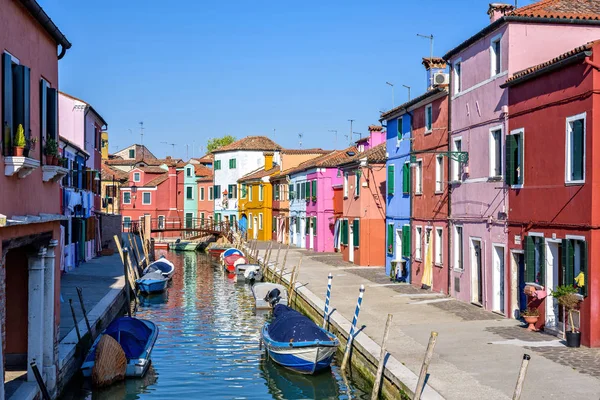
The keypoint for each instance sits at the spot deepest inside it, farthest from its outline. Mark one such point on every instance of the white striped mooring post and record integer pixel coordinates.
(327, 299)
(353, 327)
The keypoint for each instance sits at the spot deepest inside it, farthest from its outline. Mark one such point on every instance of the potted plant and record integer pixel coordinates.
(568, 297)
(20, 142)
(531, 316)
(51, 151)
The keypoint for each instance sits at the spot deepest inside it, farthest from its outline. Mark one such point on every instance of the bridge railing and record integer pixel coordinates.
(187, 226)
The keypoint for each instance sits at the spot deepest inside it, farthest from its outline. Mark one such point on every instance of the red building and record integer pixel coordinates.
(555, 194)
(206, 204)
(429, 161)
(30, 227)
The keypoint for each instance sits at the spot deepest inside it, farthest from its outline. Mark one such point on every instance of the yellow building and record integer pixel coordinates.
(104, 145)
(111, 181)
(256, 200)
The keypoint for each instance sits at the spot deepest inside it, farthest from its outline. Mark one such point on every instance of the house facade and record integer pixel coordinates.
(111, 181)
(362, 229)
(189, 192)
(480, 208)
(557, 244)
(30, 238)
(204, 180)
(232, 162)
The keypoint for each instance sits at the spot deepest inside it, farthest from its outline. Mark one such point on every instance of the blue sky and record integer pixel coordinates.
(192, 70)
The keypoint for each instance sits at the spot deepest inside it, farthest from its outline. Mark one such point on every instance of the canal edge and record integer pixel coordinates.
(399, 382)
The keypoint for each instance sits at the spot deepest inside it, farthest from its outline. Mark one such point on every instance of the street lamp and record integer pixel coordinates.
(408, 87)
(392, 85)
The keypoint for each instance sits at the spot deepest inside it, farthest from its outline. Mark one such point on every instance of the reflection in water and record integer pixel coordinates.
(208, 346)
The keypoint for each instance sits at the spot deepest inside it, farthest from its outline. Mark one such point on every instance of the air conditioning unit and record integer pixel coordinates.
(441, 79)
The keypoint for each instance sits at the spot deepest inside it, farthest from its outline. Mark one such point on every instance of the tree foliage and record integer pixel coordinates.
(215, 143)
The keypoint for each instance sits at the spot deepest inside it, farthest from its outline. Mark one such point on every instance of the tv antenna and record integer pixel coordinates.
(430, 37)
(335, 131)
(300, 136)
(350, 136)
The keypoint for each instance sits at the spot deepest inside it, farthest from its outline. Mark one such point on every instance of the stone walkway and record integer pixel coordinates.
(478, 353)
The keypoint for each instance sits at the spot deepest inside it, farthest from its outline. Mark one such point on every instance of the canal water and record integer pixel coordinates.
(208, 347)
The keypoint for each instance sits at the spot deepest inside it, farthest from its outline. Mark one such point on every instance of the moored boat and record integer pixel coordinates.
(181, 245)
(267, 295)
(231, 261)
(161, 246)
(162, 265)
(216, 251)
(231, 251)
(297, 343)
(152, 282)
(251, 272)
(137, 338)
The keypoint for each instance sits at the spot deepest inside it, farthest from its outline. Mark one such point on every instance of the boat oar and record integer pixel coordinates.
(87, 322)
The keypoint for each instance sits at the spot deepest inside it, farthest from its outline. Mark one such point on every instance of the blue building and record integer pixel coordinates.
(398, 197)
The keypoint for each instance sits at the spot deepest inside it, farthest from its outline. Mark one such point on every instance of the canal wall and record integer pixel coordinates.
(398, 380)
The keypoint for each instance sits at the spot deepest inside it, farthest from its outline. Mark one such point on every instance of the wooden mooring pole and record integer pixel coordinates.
(425, 366)
(87, 322)
(521, 378)
(126, 275)
(379, 374)
(75, 321)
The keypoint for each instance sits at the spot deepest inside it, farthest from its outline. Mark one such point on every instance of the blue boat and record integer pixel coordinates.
(136, 337)
(163, 266)
(294, 341)
(152, 282)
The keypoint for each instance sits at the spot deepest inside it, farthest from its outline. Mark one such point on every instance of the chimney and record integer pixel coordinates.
(499, 10)
(376, 135)
(433, 66)
(268, 160)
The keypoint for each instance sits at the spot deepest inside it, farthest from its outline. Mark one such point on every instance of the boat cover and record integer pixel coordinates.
(131, 333)
(291, 326)
(152, 276)
(229, 260)
(159, 266)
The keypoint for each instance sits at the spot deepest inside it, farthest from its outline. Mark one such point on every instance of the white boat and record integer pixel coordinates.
(162, 265)
(267, 295)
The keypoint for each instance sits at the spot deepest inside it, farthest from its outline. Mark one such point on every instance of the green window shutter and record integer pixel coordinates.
(577, 151)
(21, 99)
(315, 226)
(307, 188)
(314, 189)
(291, 190)
(390, 239)
(399, 128)
(541, 243)
(584, 267)
(520, 160)
(345, 232)
(7, 104)
(406, 241)
(390, 179)
(511, 157)
(356, 230)
(357, 184)
(298, 193)
(564, 260)
(529, 259)
(52, 113)
(406, 178)
(276, 192)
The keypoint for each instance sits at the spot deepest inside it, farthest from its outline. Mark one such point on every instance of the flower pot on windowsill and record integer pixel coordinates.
(49, 159)
(55, 161)
(18, 151)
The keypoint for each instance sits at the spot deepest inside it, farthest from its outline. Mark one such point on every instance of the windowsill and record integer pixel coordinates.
(458, 270)
(53, 173)
(429, 132)
(438, 265)
(574, 183)
(516, 186)
(438, 192)
(418, 193)
(418, 259)
(22, 166)
(495, 178)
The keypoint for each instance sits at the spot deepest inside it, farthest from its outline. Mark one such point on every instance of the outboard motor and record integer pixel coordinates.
(273, 297)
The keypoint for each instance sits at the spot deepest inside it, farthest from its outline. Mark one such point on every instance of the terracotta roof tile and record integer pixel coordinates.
(201, 170)
(536, 68)
(331, 159)
(251, 143)
(374, 155)
(152, 170)
(375, 128)
(434, 62)
(259, 173)
(412, 102)
(305, 151)
(108, 173)
(158, 180)
(561, 9)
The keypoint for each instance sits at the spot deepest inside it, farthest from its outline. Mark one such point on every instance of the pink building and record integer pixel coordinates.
(204, 177)
(514, 40)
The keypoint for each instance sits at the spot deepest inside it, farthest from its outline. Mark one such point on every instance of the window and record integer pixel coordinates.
(458, 247)
(428, 118)
(250, 194)
(276, 192)
(418, 241)
(189, 220)
(232, 163)
(438, 245)
(356, 233)
(244, 193)
(575, 264)
(514, 158)
(15, 100)
(188, 171)
(161, 222)
(202, 193)
(575, 168)
(495, 152)
(250, 222)
(232, 191)
(210, 193)
(111, 191)
(48, 111)
(260, 192)
(457, 169)
(189, 192)
(233, 220)
(357, 183)
(346, 184)
(217, 164)
(390, 239)
(291, 191)
(131, 153)
(406, 178)
(126, 197)
(314, 190)
(260, 221)
(535, 260)
(439, 174)
(419, 177)
(390, 181)
(399, 129)
(314, 222)
(126, 222)
(298, 191)
(307, 188)
(344, 235)
(217, 191)
(137, 177)
(457, 76)
(495, 56)
(406, 241)
(146, 198)
(202, 219)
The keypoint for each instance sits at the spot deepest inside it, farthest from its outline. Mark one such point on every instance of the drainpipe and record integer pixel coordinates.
(410, 195)
(589, 61)
(450, 226)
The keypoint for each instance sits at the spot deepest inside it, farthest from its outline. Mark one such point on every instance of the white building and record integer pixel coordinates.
(230, 164)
